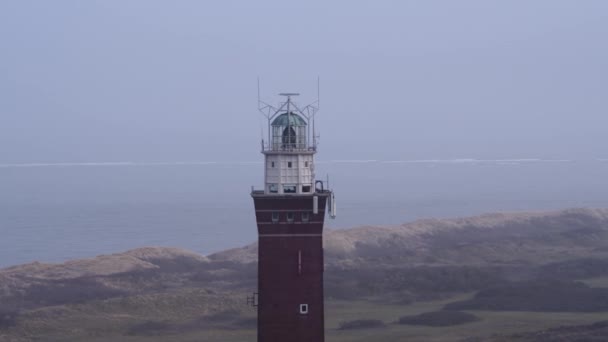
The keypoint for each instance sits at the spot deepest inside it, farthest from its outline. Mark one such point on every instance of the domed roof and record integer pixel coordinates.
(292, 119)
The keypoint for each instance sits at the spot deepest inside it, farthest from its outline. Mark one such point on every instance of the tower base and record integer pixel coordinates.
(290, 267)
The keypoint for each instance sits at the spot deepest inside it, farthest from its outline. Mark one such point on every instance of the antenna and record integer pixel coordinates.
(266, 109)
(314, 139)
(318, 93)
(262, 135)
(309, 112)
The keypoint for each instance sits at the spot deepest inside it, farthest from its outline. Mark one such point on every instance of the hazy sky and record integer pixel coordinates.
(86, 81)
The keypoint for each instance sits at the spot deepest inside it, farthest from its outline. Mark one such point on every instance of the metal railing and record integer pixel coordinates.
(288, 148)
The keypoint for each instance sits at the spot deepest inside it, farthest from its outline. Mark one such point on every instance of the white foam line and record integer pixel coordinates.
(475, 161)
(431, 161)
(353, 161)
(67, 164)
(523, 160)
(173, 163)
(106, 164)
(242, 163)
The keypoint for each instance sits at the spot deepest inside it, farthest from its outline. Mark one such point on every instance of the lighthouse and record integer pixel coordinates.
(290, 213)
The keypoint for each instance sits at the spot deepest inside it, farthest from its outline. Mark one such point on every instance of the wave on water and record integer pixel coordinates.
(463, 161)
(93, 164)
(353, 161)
(477, 161)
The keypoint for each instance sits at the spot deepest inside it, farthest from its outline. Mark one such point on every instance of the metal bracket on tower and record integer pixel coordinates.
(253, 300)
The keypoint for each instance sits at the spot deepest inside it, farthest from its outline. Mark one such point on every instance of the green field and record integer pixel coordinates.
(104, 321)
(491, 323)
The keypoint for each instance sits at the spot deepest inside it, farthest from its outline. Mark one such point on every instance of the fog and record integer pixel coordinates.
(158, 81)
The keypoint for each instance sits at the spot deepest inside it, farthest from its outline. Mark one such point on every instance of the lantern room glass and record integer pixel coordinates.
(289, 132)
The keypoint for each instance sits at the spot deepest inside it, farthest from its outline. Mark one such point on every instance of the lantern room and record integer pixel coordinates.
(289, 132)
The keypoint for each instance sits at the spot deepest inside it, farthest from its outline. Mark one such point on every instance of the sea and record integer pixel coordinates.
(59, 211)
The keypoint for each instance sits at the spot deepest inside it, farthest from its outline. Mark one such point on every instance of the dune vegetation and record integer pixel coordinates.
(495, 277)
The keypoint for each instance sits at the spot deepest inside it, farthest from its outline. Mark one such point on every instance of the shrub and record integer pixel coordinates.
(361, 324)
(537, 296)
(150, 328)
(69, 291)
(439, 318)
(7, 319)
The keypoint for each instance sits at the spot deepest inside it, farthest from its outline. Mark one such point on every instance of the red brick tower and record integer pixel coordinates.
(290, 212)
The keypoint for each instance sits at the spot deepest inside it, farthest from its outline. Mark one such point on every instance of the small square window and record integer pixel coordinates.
(305, 217)
(303, 309)
(288, 164)
(275, 217)
(273, 188)
(290, 217)
(306, 188)
(289, 189)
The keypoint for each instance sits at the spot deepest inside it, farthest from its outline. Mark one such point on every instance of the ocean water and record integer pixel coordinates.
(56, 212)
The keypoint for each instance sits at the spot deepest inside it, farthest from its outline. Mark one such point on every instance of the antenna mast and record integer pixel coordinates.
(309, 111)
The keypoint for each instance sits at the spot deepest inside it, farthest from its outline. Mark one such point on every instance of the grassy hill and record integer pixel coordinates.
(518, 274)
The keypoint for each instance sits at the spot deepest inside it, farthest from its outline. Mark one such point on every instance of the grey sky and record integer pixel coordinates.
(84, 81)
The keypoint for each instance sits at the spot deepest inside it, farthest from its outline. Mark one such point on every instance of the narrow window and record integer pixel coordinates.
(300, 262)
(305, 217)
(275, 217)
(272, 164)
(273, 188)
(305, 164)
(290, 217)
(289, 164)
(303, 309)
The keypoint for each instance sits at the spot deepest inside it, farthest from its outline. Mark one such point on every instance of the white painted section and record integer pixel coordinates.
(289, 173)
